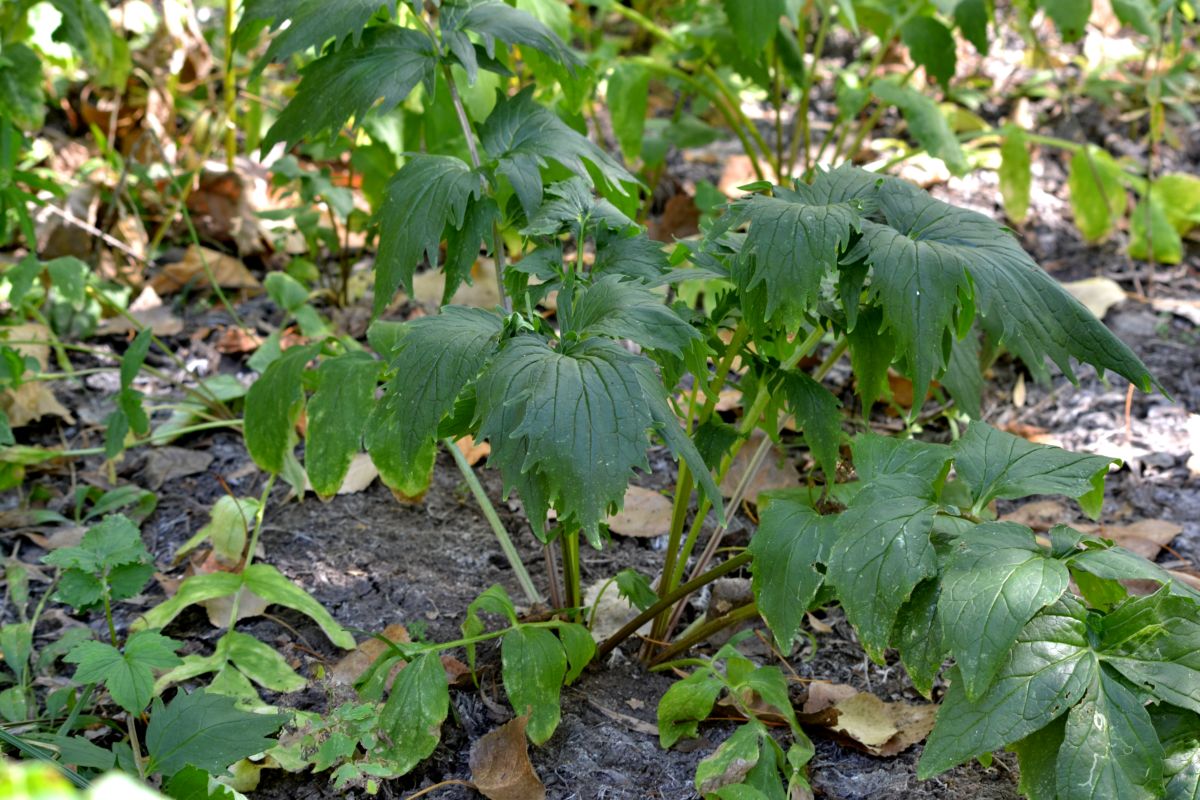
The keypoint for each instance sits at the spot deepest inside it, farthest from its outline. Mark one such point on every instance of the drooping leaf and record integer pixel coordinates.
(882, 552)
(972, 18)
(1070, 16)
(206, 731)
(415, 710)
(496, 20)
(1098, 197)
(524, 136)
(1179, 733)
(128, 675)
(297, 25)
(1015, 173)
(817, 413)
(1151, 234)
(271, 585)
(1110, 748)
(1037, 755)
(732, 760)
(754, 23)
(996, 464)
(685, 705)
(626, 309)
(791, 541)
(1178, 193)
(447, 351)
(1154, 642)
(1046, 673)
(570, 206)
(627, 98)
(337, 416)
(260, 663)
(931, 45)
(996, 581)
(918, 638)
(872, 351)
(926, 122)
(377, 73)
(534, 665)
(580, 647)
(273, 404)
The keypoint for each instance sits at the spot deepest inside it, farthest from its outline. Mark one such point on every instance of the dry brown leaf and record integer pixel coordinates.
(880, 728)
(1145, 537)
(229, 272)
(31, 400)
(611, 610)
(234, 340)
(1187, 309)
(481, 293)
(168, 463)
(739, 171)
(221, 608)
(1041, 515)
(471, 451)
(500, 767)
(1097, 294)
(680, 218)
(349, 667)
(149, 312)
(776, 472)
(645, 513)
(1018, 392)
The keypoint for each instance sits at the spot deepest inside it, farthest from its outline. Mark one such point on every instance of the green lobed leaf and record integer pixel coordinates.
(620, 308)
(1110, 748)
(297, 25)
(206, 731)
(273, 405)
(996, 464)
(1154, 642)
(754, 23)
(685, 705)
(415, 710)
(882, 552)
(1015, 173)
(1046, 673)
(447, 351)
(996, 581)
(1179, 733)
(376, 73)
(791, 541)
(634, 587)
(337, 417)
(524, 136)
(533, 666)
(926, 122)
(1098, 197)
(127, 675)
(931, 45)
(627, 98)
(427, 198)
(495, 20)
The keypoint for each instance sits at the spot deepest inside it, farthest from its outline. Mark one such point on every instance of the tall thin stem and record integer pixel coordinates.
(570, 569)
(230, 88)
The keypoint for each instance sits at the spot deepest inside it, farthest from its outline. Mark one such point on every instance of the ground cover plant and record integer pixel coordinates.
(463, 127)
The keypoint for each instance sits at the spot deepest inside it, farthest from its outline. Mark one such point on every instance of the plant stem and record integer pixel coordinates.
(108, 616)
(666, 601)
(805, 133)
(258, 526)
(706, 630)
(135, 745)
(570, 570)
(493, 518)
(230, 89)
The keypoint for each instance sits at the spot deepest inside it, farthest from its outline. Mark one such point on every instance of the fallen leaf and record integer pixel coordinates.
(229, 272)
(645, 513)
(1187, 309)
(361, 474)
(149, 312)
(680, 218)
(1145, 537)
(347, 670)
(481, 292)
(220, 609)
(1193, 434)
(1018, 392)
(500, 767)
(611, 610)
(168, 463)
(471, 451)
(235, 340)
(31, 400)
(1040, 515)
(1097, 294)
(861, 718)
(776, 472)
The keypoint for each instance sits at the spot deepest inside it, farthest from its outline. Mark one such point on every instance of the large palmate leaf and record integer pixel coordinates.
(377, 72)
(792, 540)
(524, 136)
(882, 552)
(297, 25)
(754, 23)
(997, 580)
(434, 360)
(626, 309)
(930, 257)
(337, 416)
(426, 201)
(996, 464)
(1048, 670)
(496, 20)
(795, 237)
(567, 428)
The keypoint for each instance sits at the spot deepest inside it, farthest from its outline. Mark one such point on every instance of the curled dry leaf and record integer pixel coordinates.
(234, 340)
(500, 766)
(645, 513)
(149, 311)
(1145, 537)
(349, 667)
(361, 474)
(168, 463)
(229, 273)
(1098, 294)
(471, 451)
(861, 718)
(31, 400)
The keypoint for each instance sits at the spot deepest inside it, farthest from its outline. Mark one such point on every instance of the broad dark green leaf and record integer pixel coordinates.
(882, 552)
(972, 18)
(1117, 563)
(297, 25)
(1070, 16)
(426, 200)
(21, 97)
(626, 309)
(872, 351)
(996, 464)
(337, 416)
(496, 20)
(533, 665)
(918, 636)
(415, 710)
(817, 413)
(127, 675)
(1110, 748)
(273, 404)
(1179, 733)
(447, 352)
(685, 705)
(570, 207)
(963, 379)
(931, 45)
(996, 581)
(377, 73)
(791, 541)
(1015, 173)
(1154, 641)
(754, 23)
(926, 122)
(1037, 756)
(631, 256)
(524, 136)
(1098, 197)
(627, 98)
(1046, 673)
(206, 731)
